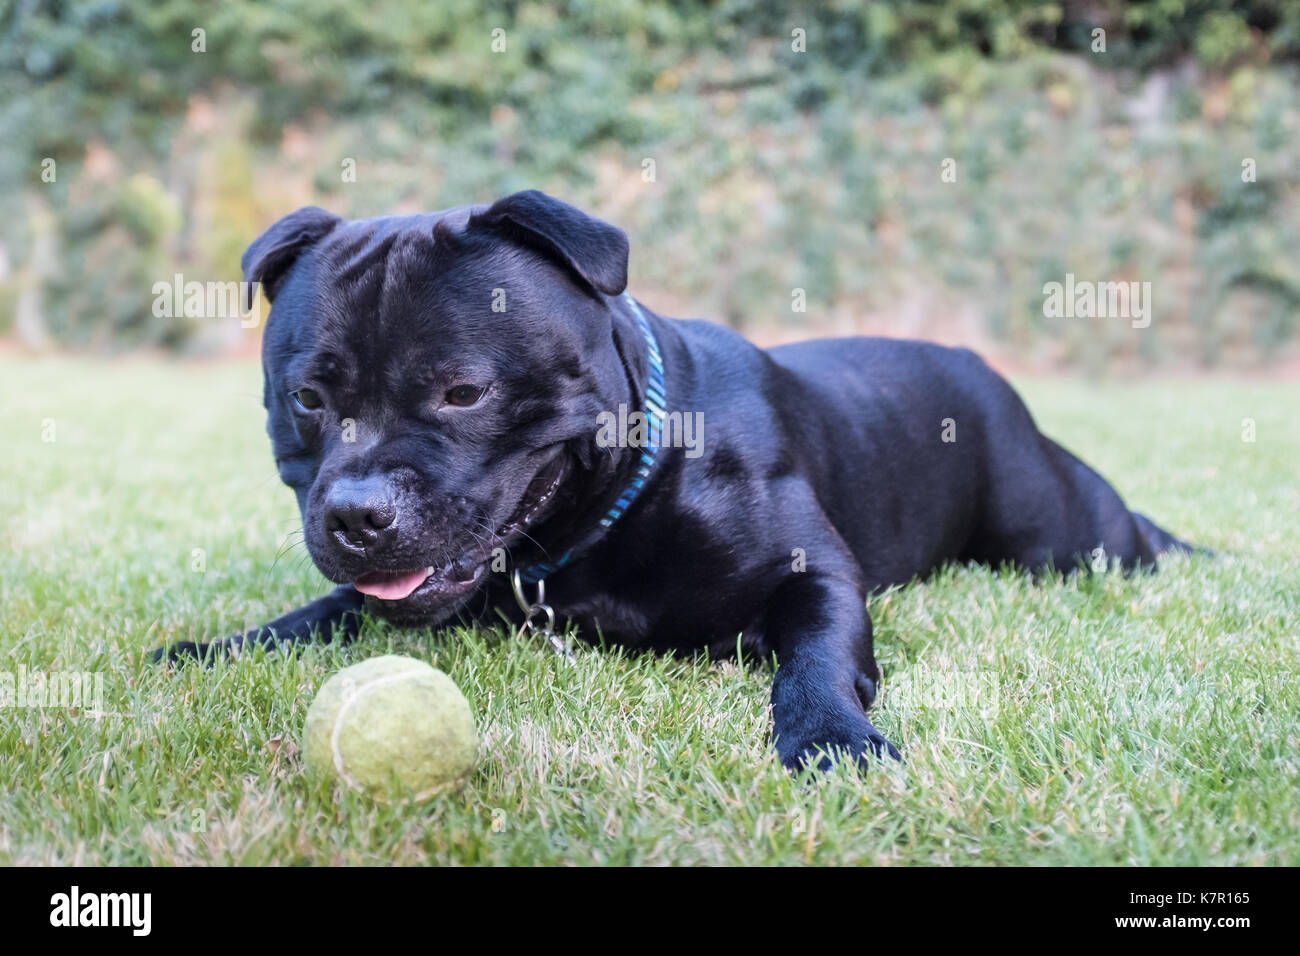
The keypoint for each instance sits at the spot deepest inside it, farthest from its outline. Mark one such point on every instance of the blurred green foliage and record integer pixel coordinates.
(180, 128)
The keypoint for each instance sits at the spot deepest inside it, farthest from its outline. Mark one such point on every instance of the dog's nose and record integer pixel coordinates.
(358, 511)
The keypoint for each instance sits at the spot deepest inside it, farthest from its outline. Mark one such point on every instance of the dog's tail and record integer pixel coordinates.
(1159, 540)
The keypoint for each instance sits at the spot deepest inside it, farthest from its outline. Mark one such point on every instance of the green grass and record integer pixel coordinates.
(1099, 721)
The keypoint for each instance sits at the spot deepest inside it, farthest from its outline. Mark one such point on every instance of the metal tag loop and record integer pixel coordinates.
(539, 617)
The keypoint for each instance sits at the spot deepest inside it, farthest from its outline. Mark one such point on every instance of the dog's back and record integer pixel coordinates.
(913, 435)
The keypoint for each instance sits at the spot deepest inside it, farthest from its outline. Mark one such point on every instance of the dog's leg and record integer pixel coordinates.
(333, 617)
(1043, 506)
(826, 675)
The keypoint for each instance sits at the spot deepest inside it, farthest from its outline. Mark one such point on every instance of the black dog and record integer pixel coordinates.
(440, 391)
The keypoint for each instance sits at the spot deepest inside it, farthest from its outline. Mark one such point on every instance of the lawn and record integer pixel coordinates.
(1102, 720)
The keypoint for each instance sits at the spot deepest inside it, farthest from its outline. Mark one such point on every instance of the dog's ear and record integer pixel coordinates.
(273, 252)
(596, 251)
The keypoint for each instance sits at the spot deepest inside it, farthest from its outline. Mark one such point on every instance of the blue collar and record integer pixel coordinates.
(656, 403)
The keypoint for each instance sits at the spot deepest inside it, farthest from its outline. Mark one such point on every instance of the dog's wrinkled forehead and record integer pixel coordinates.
(386, 286)
(441, 280)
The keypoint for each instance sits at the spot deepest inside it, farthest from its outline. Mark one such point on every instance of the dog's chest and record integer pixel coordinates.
(651, 615)
(600, 614)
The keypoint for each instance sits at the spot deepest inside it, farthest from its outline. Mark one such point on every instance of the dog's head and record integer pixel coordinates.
(432, 384)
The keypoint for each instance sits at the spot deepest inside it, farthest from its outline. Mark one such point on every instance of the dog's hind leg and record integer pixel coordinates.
(1045, 507)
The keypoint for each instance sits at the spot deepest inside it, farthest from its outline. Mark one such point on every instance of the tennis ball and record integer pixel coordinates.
(391, 721)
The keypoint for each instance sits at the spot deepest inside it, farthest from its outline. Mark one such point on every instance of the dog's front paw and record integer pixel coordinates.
(855, 739)
(188, 651)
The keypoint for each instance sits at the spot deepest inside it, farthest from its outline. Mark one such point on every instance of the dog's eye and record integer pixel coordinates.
(463, 395)
(307, 399)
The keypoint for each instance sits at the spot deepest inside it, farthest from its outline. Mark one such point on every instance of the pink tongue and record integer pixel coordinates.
(390, 585)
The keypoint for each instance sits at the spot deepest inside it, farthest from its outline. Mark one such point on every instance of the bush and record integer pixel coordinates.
(776, 169)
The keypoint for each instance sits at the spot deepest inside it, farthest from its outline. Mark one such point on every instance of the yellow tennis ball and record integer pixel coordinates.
(391, 724)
